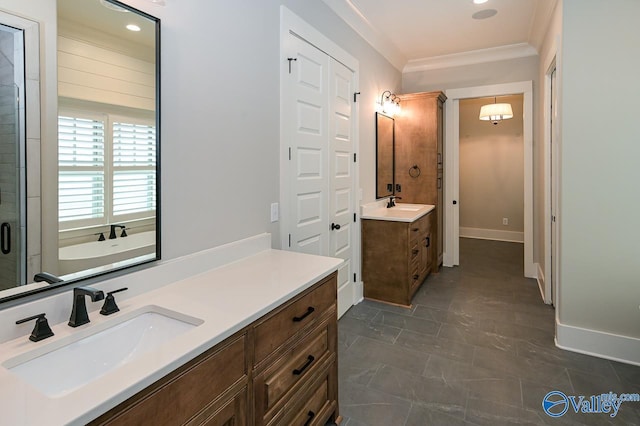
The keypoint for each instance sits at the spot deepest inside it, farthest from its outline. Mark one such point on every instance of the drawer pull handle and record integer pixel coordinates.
(311, 415)
(415, 277)
(428, 242)
(310, 310)
(414, 252)
(299, 371)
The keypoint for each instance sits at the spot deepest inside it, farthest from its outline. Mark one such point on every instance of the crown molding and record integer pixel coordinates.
(500, 53)
(350, 14)
(541, 21)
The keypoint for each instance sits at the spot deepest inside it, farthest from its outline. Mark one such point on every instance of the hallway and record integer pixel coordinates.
(475, 348)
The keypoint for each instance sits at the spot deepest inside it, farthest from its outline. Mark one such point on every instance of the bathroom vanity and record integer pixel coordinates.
(259, 346)
(397, 245)
(283, 365)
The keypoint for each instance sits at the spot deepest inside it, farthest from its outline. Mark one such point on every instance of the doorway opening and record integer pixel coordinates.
(452, 161)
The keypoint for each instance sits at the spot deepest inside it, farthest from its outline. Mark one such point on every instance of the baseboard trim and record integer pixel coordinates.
(492, 234)
(598, 343)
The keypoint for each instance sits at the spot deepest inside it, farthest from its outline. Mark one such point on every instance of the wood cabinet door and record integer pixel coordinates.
(233, 413)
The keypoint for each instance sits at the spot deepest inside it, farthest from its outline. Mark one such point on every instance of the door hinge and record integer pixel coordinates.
(289, 240)
(355, 96)
(354, 157)
(354, 217)
(289, 153)
(291, 59)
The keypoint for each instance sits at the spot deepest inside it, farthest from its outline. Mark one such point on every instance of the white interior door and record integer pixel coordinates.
(341, 178)
(319, 127)
(306, 110)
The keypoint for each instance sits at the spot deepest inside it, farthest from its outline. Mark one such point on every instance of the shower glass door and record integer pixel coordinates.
(12, 158)
(11, 177)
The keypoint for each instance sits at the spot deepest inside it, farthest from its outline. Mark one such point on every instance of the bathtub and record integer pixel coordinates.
(81, 257)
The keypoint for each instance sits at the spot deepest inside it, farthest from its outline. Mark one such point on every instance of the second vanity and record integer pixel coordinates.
(260, 349)
(397, 251)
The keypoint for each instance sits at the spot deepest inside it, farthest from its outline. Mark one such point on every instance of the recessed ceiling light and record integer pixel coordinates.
(480, 1)
(484, 14)
(133, 27)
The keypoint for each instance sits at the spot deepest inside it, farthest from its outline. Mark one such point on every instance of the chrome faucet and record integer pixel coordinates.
(79, 315)
(392, 202)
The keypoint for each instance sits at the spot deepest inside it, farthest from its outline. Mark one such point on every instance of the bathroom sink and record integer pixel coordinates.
(407, 208)
(77, 360)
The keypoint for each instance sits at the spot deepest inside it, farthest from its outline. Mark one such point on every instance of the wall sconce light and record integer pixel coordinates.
(390, 103)
(496, 112)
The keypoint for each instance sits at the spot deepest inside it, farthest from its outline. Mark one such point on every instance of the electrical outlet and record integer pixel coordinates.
(275, 214)
(505, 220)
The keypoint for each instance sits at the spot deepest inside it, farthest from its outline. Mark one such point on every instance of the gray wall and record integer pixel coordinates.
(599, 201)
(220, 119)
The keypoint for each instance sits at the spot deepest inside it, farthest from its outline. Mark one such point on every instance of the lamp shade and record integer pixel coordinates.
(496, 112)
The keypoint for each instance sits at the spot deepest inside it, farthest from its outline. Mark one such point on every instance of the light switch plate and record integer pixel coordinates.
(275, 214)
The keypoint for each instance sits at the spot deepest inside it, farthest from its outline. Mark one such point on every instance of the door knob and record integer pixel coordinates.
(335, 226)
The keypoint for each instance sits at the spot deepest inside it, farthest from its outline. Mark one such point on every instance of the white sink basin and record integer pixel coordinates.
(72, 362)
(406, 208)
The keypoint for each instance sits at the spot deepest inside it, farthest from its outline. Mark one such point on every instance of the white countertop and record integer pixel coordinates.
(400, 213)
(226, 299)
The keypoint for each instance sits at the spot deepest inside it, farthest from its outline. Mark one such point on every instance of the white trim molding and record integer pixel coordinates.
(350, 14)
(598, 343)
(492, 234)
(492, 54)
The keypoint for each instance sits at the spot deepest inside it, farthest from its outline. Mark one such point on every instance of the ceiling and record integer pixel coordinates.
(419, 32)
(94, 14)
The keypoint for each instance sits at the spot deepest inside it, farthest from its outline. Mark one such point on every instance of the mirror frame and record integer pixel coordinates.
(393, 154)
(117, 271)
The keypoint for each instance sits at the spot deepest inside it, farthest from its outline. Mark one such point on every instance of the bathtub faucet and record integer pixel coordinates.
(45, 276)
(112, 233)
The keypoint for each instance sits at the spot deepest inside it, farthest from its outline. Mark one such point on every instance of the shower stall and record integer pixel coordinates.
(12, 158)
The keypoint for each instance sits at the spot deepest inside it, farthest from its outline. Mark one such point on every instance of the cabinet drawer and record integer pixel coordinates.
(292, 368)
(420, 227)
(293, 317)
(316, 410)
(184, 394)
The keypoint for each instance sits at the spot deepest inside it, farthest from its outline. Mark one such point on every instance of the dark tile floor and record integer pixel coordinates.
(475, 348)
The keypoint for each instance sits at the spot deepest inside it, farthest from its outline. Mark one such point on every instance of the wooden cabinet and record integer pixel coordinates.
(200, 390)
(419, 161)
(282, 369)
(397, 257)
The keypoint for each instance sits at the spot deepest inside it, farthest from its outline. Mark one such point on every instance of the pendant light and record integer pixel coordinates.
(496, 112)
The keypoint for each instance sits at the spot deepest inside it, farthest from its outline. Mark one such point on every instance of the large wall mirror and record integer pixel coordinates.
(385, 135)
(105, 208)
